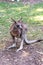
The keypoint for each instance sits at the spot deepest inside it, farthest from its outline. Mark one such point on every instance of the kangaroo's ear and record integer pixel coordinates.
(20, 20)
(13, 20)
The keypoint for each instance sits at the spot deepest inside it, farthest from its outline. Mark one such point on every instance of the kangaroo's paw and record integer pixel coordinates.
(12, 46)
(19, 49)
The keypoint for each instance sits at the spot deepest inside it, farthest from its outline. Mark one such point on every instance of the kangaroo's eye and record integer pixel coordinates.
(19, 26)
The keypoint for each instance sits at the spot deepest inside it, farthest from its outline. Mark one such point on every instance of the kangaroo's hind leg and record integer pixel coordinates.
(14, 43)
(21, 44)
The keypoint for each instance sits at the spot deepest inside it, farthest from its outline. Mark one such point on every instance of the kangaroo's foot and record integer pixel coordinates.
(12, 46)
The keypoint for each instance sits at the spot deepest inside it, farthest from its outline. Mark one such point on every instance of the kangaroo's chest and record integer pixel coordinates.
(16, 33)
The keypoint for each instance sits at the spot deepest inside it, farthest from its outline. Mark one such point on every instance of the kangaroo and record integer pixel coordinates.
(19, 30)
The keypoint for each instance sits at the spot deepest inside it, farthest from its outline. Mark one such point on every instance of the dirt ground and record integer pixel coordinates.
(30, 55)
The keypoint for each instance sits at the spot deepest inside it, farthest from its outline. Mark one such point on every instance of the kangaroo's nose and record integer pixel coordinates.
(18, 26)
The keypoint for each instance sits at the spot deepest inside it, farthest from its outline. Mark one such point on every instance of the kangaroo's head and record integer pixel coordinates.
(17, 24)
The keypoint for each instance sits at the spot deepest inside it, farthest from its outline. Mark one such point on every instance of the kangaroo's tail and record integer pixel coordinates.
(33, 41)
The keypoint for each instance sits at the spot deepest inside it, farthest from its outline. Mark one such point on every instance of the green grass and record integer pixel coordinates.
(31, 14)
